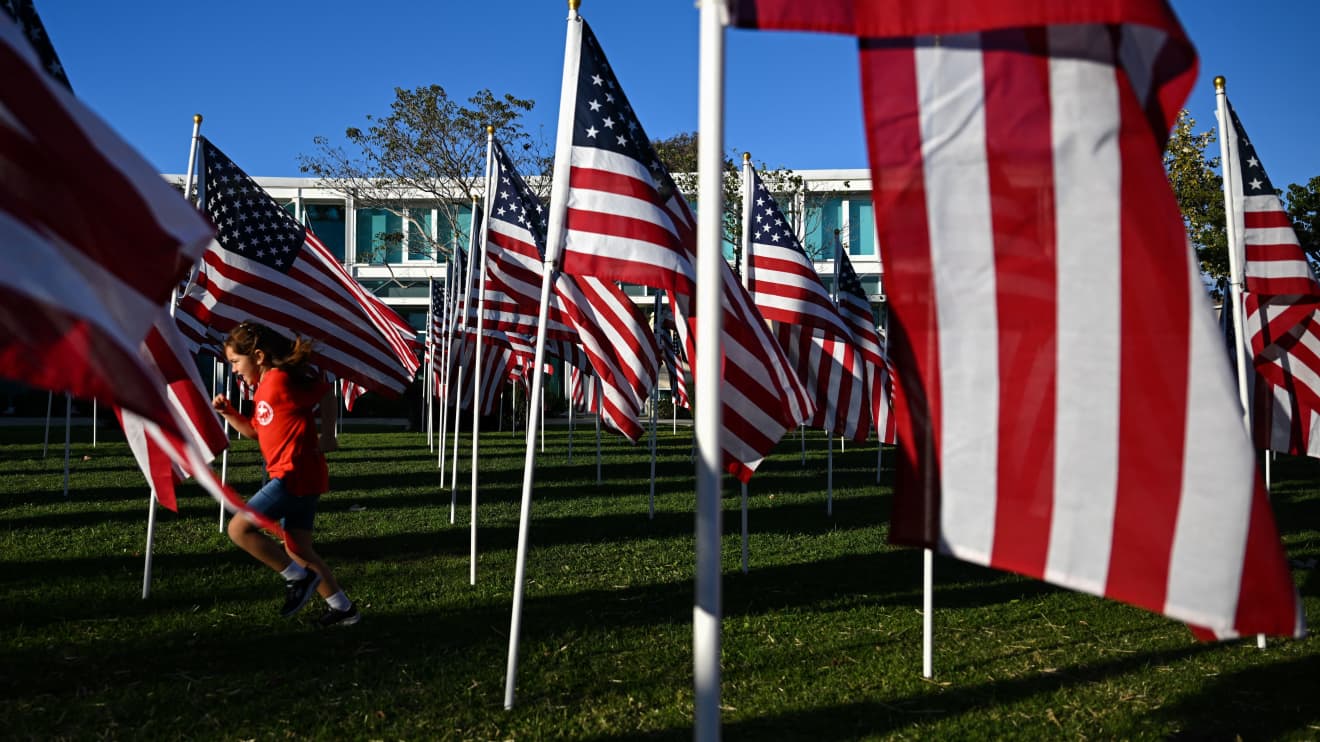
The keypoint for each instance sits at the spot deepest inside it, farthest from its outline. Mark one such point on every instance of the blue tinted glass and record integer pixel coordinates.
(328, 224)
(823, 215)
(861, 226)
(377, 236)
(419, 234)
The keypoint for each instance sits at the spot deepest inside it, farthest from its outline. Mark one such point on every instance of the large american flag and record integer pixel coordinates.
(94, 242)
(266, 266)
(1282, 303)
(1064, 407)
(788, 292)
(626, 221)
(855, 309)
(74, 200)
(594, 313)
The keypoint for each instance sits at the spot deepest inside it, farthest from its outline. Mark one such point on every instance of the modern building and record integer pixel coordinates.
(397, 270)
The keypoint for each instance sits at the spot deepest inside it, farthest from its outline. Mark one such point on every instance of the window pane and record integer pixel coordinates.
(420, 246)
(378, 236)
(823, 216)
(328, 224)
(861, 226)
(446, 233)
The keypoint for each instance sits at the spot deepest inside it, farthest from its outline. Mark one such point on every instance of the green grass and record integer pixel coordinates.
(821, 639)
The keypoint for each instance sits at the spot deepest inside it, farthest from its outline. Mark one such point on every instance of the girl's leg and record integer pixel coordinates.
(303, 553)
(251, 539)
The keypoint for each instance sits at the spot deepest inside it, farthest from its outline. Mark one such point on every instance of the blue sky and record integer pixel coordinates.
(269, 76)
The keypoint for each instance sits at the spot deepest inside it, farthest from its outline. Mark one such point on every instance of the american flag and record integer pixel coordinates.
(626, 221)
(675, 362)
(75, 199)
(788, 292)
(1282, 303)
(435, 330)
(583, 391)
(855, 308)
(166, 352)
(594, 313)
(497, 363)
(266, 266)
(1059, 417)
(24, 13)
(350, 392)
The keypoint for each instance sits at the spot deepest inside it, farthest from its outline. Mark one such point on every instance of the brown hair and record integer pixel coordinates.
(291, 356)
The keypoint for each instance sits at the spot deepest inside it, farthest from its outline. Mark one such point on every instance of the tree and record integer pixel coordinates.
(1200, 193)
(429, 148)
(678, 153)
(1304, 208)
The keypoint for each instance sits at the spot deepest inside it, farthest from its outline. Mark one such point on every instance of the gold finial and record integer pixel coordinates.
(197, 118)
(573, 5)
(1219, 83)
(490, 130)
(747, 157)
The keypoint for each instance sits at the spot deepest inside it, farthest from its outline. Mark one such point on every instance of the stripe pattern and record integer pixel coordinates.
(266, 266)
(1282, 306)
(855, 309)
(787, 291)
(625, 220)
(594, 313)
(1030, 237)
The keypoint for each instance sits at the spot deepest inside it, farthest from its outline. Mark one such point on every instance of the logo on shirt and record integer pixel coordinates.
(264, 413)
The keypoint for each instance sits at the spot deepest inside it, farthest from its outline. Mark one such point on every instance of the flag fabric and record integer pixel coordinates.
(675, 362)
(75, 201)
(787, 291)
(350, 392)
(583, 390)
(625, 220)
(74, 314)
(1281, 302)
(594, 313)
(1049, 423)
(266, 266)
(24, 13)
(855, 309)
(166, 352)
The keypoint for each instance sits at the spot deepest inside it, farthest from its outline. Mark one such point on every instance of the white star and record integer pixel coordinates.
(1255, 184)
(595, 105)
(1253, 162)
(609, 122)
(592, 131)
(609, 98)
(622, 140)
(596, 80)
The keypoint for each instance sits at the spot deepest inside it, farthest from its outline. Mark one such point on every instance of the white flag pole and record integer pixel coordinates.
(570, 425)
(68, 423)
(1231, 169)
(476, 364)
(542, 418)
(707, 609)
(452, 323)
(879, 432)
(927, 613)
(655, 399)
(596, 386)
(45, 442)
(93, 422)
(427, 391)
(745, 269)
(462, 341)
(553, 246)
(151, 537)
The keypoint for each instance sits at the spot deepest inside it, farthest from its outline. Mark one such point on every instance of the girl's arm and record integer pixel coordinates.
(244, 426)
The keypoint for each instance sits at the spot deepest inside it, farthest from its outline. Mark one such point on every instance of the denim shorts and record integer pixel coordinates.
(275, 502)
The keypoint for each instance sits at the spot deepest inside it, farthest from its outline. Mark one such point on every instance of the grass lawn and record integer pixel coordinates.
(821, 639)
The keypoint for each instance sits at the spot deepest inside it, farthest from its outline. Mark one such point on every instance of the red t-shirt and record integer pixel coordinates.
(286, 432)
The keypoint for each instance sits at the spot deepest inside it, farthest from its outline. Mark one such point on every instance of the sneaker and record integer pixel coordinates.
(297, 592)
(332, 617)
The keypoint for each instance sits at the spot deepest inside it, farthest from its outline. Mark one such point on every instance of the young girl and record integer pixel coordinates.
(287, 392)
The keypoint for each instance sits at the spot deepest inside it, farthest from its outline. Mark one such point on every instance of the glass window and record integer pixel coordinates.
(328, 224)
(455, 235)
(823, 215)
(379, 236)
(861, 226)
(420, 247)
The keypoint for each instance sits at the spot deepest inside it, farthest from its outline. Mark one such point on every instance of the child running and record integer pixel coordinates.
(288, 390)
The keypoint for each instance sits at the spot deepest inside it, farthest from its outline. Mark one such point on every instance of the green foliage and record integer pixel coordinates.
(820, 639)
(678, 153)
(1304, 208)
(428, 147)
(1200, 191)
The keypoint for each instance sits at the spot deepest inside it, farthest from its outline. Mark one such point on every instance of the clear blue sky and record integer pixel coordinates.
(269, 76)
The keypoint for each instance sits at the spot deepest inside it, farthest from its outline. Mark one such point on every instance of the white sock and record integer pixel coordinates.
(339, 601)
(294, 571)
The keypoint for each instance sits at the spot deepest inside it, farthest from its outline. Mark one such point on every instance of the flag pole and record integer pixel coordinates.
(427, 392)
(1231, 169)
(596, 387)
(570, 425)
(68, 423)
(553, 245)
(93, 422)
(745, 269)
(655, 399)
(151, 537)
(476, 364)
(927, 613)
(707, 609)
(458, 386)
